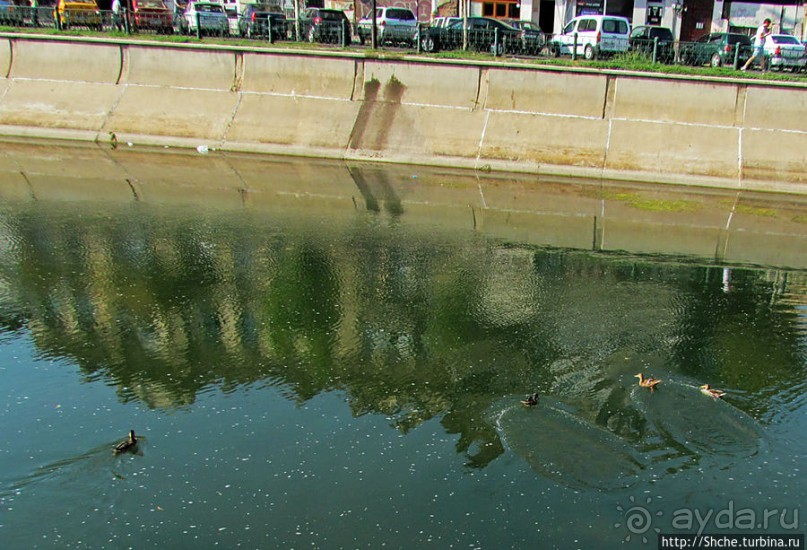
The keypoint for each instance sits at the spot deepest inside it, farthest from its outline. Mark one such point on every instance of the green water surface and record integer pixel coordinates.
(312, 381)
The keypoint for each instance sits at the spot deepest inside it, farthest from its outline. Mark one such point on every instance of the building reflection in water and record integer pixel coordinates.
(433, 296)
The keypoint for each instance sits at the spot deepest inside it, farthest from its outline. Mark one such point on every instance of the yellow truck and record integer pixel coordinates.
(78, 13)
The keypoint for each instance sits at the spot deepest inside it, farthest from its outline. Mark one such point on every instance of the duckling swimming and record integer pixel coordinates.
(127, 445)
(531, 400)
(647, 382)
(712, 392)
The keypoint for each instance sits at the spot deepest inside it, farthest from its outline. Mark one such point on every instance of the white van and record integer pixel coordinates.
(597, 35)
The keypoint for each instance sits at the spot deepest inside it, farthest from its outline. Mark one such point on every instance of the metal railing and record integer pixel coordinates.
(271, 28)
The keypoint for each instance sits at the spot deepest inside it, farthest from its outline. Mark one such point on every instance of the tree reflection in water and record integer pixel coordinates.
(164, 303)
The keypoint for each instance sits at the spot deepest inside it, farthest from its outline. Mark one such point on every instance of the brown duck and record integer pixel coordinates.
(647, 382)
(712, 392)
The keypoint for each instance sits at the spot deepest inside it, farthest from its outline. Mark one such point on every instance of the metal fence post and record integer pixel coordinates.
(655, 49)
(574, 48)
(198, 26)
(417, 36)
(737, 56)
(495, 42)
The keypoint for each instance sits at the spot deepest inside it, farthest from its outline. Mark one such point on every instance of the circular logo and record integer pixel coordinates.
(637, 519)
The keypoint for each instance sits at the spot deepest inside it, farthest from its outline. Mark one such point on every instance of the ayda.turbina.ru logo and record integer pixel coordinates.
(637, 519)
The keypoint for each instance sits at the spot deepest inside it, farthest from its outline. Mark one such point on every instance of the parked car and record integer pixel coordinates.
(393, 25)
(325, 25)
(717, 49)
(594, 36)
(485, 34)
(8, 15)
(533, 40)
(78, 13)
(211, 17)
(645, 39)
(443, 22)
(151, 15)
(784, 51)
(254, 21)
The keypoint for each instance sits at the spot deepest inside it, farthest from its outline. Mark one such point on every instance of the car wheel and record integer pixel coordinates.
(554, 50)
(716, 61)
(362, 38)
(427, 44)
(588, 53)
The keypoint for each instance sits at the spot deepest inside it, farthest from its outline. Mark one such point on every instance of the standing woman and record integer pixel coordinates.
(759, 45)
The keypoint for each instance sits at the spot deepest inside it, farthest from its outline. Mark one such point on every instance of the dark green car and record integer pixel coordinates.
(717, 49)
(652, 40)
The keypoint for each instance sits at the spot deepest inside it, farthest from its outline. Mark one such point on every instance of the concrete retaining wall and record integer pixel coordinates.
(499, 116)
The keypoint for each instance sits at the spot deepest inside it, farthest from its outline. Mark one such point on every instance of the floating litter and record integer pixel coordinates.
(202, 149)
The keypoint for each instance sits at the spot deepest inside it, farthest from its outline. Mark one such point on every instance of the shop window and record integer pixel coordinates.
(502, 10)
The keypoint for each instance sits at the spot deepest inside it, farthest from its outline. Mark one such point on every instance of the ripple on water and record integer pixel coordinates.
(685, 418)
(91, 475)
(559, 445)
(683, 426)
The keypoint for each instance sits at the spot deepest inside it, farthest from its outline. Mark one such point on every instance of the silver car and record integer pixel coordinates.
(785, 52)
(208, 17)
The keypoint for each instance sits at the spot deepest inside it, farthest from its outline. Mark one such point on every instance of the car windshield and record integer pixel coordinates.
(785, 39)
(614, 26)
(739, 39)
(209, 8)
(403, 15)
(661, 34)
(330, 14)
(151, 4)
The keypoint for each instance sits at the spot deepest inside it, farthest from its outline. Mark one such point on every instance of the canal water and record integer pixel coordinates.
(315, 355)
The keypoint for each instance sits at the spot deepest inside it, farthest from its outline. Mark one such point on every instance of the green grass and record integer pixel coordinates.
(653, 205)
(756, 211)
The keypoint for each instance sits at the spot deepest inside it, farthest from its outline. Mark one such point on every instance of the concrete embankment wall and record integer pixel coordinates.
(498, 116)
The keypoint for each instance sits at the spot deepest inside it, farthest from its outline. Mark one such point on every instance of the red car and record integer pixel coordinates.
(151, 15)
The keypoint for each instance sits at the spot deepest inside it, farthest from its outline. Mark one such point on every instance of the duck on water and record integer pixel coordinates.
(127, 445)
